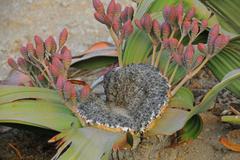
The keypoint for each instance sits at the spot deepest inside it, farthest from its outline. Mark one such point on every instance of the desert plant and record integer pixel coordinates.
(140, 99)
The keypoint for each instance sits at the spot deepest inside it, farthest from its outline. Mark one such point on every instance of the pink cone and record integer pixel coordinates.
(99, 7)
(220, 43)
(138, 24)
(156, 28)
(166, 30)
(12, 63)
(179, 10)
(202, 47)
(127, 29)
(63, 37)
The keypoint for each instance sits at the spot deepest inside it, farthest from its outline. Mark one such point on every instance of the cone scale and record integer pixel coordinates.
(134, 97)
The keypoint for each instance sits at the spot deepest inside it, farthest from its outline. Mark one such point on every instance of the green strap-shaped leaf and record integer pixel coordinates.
(88, 66)
(192, 129)
(182, 99)
(86, 144)
(13, 93)
(97, 56)
(170, 121)
(137, 48)
(211, 95)
(143, 8)
(227, 13)
(227, 60)
(39, 113)
(231, 119)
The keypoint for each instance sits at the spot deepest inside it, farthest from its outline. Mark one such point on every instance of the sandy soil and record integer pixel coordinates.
(21, 20)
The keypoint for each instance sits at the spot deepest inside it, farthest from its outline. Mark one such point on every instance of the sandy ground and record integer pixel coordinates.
(21, 20)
